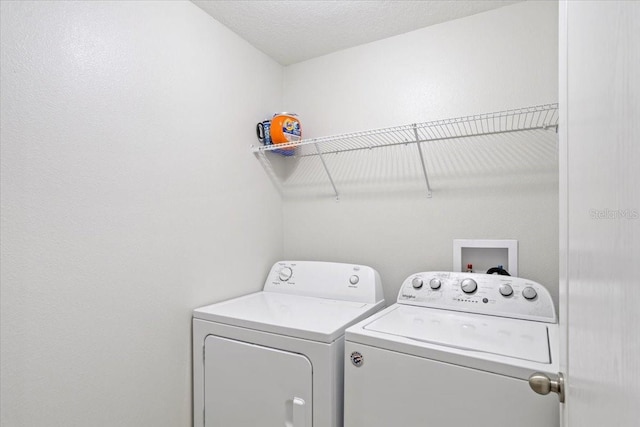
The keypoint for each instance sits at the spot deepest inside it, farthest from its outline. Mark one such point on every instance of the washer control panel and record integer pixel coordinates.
(331, 280)
(490, 294)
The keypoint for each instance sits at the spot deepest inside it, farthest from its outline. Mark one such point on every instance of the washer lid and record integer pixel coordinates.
(519, 339)
(311, 318)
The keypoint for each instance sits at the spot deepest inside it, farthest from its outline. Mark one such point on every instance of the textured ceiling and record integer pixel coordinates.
(294, 31)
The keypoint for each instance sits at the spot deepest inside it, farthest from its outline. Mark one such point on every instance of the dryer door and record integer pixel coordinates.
(252, 385)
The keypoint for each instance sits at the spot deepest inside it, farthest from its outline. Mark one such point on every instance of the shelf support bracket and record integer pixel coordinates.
(424, 168)
(266, 164)
(335, 190)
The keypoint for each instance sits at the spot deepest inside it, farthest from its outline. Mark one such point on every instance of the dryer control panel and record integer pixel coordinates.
(331, 280)
(489, 294)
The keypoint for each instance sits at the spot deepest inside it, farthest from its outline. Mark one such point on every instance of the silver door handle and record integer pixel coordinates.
(543, 384)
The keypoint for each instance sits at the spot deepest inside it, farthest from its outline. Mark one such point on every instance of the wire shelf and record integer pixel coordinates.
(517, 132)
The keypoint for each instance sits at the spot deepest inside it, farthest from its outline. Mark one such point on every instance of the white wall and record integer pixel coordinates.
(506, 58)
(129, 197)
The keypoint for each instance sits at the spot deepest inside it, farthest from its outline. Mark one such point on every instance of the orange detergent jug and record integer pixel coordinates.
(285, 127)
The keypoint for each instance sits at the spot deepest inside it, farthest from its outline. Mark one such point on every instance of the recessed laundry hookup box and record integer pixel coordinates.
(483, 254)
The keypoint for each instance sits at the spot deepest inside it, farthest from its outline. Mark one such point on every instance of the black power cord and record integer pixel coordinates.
(498, 270)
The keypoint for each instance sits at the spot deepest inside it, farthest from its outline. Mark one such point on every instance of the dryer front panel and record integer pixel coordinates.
(253, 385)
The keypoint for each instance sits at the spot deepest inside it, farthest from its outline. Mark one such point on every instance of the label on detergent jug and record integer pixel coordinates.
(291, 130)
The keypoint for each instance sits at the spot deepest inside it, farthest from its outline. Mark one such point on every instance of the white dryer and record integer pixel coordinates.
(456, 350)
(275, 358)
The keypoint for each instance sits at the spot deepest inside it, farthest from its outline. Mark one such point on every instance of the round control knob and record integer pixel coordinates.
(529, 293)
(506, 290)
(354, 279)
(435, 283)
(285, 274)
(468, 286)
(417, 282)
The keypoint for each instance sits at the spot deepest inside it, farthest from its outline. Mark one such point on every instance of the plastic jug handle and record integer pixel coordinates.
(260, 131)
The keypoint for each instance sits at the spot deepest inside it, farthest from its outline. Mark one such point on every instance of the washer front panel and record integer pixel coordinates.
(490, 294)
(395, 389)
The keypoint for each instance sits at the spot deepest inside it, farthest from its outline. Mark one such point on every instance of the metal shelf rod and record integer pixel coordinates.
(335, 190)
(424, 168)
(391, 144)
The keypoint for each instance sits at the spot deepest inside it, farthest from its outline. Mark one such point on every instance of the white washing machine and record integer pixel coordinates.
(456, 350)
(275, 358)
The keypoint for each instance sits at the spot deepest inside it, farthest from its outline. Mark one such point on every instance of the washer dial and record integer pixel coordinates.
(506, 290)
(417, 282)
(435, 283)
(468, 286)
